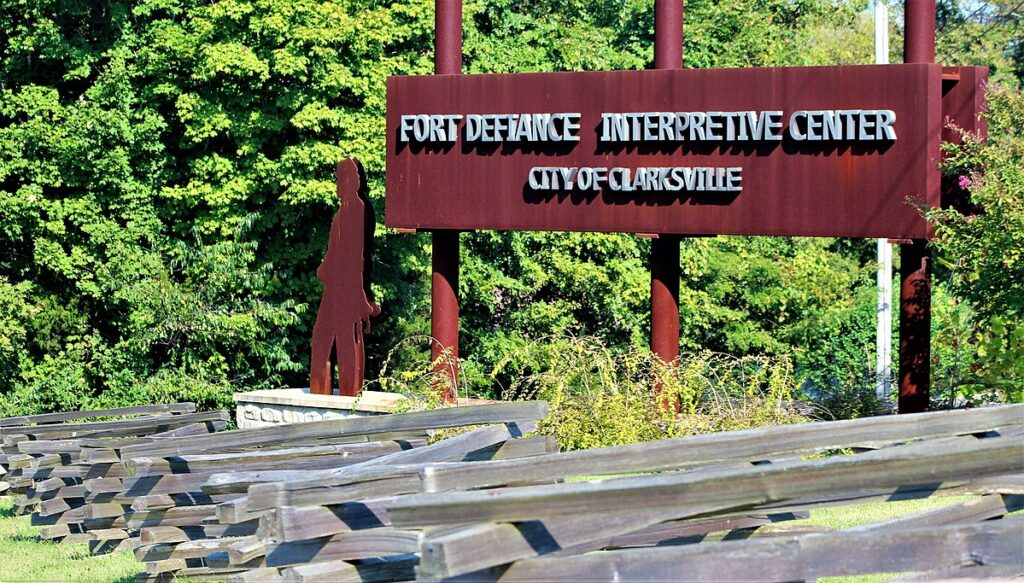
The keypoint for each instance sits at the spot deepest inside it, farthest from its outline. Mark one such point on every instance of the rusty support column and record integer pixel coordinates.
(915, 326)
(668, 34)
(915, 258)
(444, 284)
(668, 54)
(919, 31)
(665, 297)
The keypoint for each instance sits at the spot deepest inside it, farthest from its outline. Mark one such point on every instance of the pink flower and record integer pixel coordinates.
(964, 182)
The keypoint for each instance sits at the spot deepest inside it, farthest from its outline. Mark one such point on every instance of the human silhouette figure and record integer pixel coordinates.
(346, 305)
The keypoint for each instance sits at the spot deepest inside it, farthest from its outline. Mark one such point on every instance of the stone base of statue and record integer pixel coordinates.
(277, 406)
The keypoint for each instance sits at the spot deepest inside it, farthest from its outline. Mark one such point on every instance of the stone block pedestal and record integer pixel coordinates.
(277, 406)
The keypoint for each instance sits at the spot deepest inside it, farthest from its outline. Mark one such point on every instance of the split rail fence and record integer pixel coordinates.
(383, 499)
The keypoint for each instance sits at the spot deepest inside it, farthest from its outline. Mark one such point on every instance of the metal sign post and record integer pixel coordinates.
(668, 54)
(915, 258)
(444, 281)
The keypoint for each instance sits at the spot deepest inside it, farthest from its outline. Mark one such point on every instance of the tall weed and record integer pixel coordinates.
(602, 397)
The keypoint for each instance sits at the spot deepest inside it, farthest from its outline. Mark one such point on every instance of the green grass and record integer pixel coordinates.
(848, 516)
(24, 558)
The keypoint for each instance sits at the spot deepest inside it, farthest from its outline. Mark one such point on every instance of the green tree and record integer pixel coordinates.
(166, 186)
(988, 33)
(82, 163)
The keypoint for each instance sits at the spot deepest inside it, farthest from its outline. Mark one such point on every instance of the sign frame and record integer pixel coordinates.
(454, 180)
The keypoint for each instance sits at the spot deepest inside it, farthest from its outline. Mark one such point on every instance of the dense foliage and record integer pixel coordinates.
(989, 33)
(166, 189)
(982, 248)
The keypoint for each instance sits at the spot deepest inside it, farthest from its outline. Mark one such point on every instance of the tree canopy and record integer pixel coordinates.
(166, 188)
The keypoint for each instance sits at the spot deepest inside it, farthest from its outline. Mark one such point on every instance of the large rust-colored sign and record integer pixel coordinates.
(800, 151)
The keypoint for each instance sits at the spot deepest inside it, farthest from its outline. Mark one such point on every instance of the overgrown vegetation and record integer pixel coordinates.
(166, 190)
(599, 400)
(600, 396)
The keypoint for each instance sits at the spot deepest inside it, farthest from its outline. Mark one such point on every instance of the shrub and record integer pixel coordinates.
(979, 339)
(602, 397)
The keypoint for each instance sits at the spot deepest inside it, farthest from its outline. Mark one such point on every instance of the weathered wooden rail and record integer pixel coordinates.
(42, 454)
(45, 418)
(373, 499)
(84, 488)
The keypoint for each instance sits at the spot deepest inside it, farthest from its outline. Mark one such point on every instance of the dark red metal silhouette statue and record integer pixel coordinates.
(346, 305)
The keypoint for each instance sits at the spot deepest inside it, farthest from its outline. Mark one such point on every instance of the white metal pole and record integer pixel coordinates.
(881, 33)
(883, 339)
